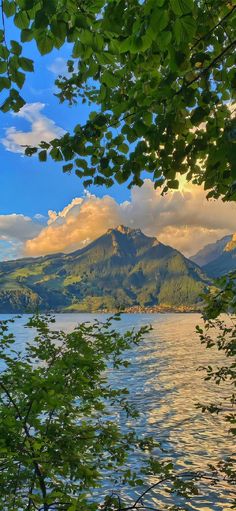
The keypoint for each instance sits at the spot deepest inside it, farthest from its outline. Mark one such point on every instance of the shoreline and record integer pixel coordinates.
(136, 309)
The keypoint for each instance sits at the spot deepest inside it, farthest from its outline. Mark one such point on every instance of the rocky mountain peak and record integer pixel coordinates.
(231, 245)
(123, 229)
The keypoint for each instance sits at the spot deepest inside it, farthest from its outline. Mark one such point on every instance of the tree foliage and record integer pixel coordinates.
(219, 333)
(57, 435)
(160, 74)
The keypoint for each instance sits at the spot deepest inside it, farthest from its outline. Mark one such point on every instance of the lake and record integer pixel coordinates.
(165, 386)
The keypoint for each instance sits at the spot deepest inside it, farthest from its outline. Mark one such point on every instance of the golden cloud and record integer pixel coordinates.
(183, 219)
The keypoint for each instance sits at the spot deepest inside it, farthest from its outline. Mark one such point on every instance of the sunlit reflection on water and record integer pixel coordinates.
(165, 386)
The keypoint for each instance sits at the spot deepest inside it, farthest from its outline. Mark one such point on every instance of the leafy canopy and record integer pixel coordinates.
(160, 74)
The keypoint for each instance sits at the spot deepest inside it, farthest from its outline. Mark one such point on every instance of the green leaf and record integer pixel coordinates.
(59, 30)
(86, 37)
(174, 184)
(123, 148)
(68, 167)
(99, 180)
(110, 79)
(26, 5)
(3, 67)
(42, 155)
(77, 50)
(41, 20)
(13, 102)
(56, 154)
(45, 43)
(18, 78)
(120, 177)
(184, 29)
(4, 52)
(131, 58)
(98, 43)
(87, 183)
(82, 21)
(79, 173)
(164, 39)
(16, 48)
(4, 83)
(27, 35)
(125, 45)
(100, 120)
(81, 163)
(198, 115)
(159, 19)
(50, 6)
(29, 151)
(21, 19)
(26, 64)
(181, 7)
(9, 8)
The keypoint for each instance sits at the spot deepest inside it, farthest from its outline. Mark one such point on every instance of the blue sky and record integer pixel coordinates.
(26, 185)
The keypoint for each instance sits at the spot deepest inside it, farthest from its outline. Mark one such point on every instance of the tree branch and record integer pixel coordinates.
(185, 85)
(28, 436)
(213, 28)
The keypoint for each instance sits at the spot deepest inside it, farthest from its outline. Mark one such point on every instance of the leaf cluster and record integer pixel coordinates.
(161, 76)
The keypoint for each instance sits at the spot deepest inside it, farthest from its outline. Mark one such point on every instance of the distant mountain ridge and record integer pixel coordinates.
(122, 268)
(210, 252)
(218, 258)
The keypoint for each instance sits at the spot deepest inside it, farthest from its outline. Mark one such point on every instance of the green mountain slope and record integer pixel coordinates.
(120, 269)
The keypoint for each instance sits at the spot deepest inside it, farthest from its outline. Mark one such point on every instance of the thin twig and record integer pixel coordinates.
(213, 28)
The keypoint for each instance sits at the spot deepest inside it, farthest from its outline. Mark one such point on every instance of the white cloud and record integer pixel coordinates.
(58, 67)
(15, 231)
(183, 219)
(42, 129)
(18, 227)
(39, 217)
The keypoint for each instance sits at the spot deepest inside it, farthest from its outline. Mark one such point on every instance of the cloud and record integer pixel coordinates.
(83, 220)
(15, 231)
(19, 227)
(183, 219)
(42, 128)
(58, 67)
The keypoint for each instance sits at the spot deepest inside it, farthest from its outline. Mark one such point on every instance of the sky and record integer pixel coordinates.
(43, 210)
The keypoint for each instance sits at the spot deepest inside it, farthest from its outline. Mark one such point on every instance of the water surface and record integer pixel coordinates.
(165, 386)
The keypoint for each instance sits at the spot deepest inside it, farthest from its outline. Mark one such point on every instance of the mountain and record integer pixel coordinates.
(210, 252)
(218, 258)
(122, 268)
